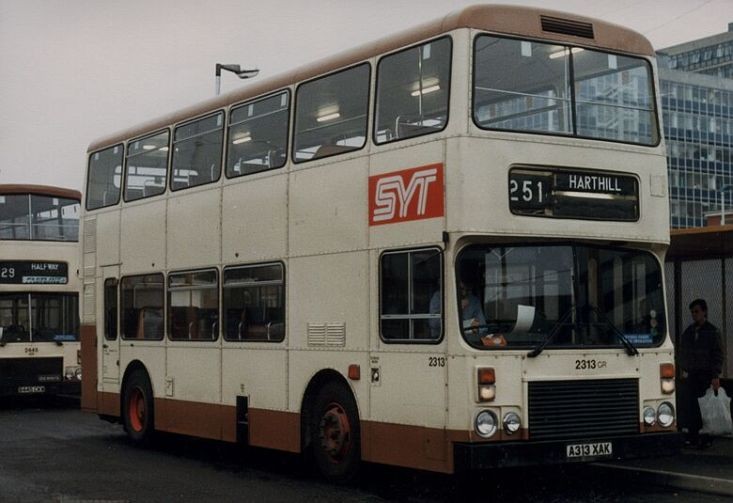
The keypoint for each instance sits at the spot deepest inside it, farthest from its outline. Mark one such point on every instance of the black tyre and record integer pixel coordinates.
(335, 436)
(138, 414)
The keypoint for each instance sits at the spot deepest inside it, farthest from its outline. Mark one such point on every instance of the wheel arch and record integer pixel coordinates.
(320, 379)
(133, 366)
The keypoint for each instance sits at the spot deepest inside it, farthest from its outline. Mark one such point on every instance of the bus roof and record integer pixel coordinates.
(503, 19)
(40, 190)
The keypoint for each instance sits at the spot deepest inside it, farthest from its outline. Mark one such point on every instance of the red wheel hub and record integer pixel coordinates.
(136, 410)
(335, 433)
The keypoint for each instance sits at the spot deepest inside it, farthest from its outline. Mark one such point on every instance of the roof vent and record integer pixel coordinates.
(567, 27)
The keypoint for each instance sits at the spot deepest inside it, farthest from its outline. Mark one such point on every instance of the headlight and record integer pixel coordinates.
(72, 373)
(650, 416)
(512, 423)
(665, 414)
(486, 424)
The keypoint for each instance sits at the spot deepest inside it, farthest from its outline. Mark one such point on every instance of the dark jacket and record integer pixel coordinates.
(701, 350)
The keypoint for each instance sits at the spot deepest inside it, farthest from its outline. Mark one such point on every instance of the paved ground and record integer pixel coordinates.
(56, 453)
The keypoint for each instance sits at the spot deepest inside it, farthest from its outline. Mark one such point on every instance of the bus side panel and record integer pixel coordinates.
(199, 211)
(144, 247)
(196, 419)
(89, 368)
(258, 371)
(254, 220)
(108, 404)
(406, 445)
(274, 429)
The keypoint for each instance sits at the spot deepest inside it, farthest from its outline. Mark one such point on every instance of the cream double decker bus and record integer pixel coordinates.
(441, 250)
(39, 290)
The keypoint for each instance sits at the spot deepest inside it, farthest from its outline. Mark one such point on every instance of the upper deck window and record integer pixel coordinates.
(331, 114)
(413, 89)
(104, 177)
(38, 218)
(258, 135)
(146, 167)
(529, 86)
(197, 152)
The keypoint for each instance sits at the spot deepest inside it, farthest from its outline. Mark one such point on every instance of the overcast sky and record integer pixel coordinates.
(74, 70)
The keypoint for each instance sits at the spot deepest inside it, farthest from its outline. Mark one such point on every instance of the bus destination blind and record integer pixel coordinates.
(559, 193)
(28, 272)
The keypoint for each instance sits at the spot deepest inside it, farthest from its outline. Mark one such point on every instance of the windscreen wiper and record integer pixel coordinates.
(630, 348)
(539, 348)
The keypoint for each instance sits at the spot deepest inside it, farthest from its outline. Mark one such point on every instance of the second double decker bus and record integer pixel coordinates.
(39, 290)
(441, 250)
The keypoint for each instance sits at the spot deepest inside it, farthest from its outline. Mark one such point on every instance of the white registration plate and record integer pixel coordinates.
(31, 389)
(589, 450)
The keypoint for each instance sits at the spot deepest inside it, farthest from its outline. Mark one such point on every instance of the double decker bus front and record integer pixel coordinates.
(39, 291)
(558, 228)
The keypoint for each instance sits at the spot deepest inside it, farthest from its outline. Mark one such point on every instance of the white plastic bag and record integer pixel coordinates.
(715, 411)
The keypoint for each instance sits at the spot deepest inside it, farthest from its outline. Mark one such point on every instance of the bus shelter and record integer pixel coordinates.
(699, 264)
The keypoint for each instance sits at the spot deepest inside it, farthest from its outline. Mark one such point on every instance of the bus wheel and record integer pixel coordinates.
(335, 433)
(137, 408)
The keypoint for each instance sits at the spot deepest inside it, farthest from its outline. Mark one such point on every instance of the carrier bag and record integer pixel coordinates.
(715, 411)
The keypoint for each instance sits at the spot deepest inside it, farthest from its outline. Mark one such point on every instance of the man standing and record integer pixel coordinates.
(700, 357)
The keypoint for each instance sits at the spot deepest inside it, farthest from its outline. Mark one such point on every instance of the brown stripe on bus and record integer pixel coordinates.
(40, 190)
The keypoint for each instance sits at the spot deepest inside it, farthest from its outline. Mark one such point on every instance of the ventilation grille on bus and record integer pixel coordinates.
(326, 334)
(583, 409)
(567, 27)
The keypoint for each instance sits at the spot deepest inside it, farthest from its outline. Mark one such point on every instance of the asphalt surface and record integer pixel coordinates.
(52, 452)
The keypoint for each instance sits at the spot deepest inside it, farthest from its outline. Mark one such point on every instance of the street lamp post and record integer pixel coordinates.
(235, 69)
(722, 202)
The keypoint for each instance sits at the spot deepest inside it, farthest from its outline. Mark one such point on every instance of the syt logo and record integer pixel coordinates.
(411, 194)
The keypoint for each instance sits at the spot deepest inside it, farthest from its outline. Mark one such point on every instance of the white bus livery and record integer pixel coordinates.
(440, 250)
(39, 290)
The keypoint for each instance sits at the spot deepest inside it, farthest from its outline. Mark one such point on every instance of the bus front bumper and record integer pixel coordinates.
(468, 457)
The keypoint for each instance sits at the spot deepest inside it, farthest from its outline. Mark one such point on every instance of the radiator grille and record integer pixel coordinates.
(583, 409)
(567, 27)
(29, 370)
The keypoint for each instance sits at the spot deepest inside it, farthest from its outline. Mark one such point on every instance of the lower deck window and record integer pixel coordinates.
(141, 305)
(193, 305)
(254, 303)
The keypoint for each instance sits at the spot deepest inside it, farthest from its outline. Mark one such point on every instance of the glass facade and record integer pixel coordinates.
(696, 81)
(698, 128)
(710, 56)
